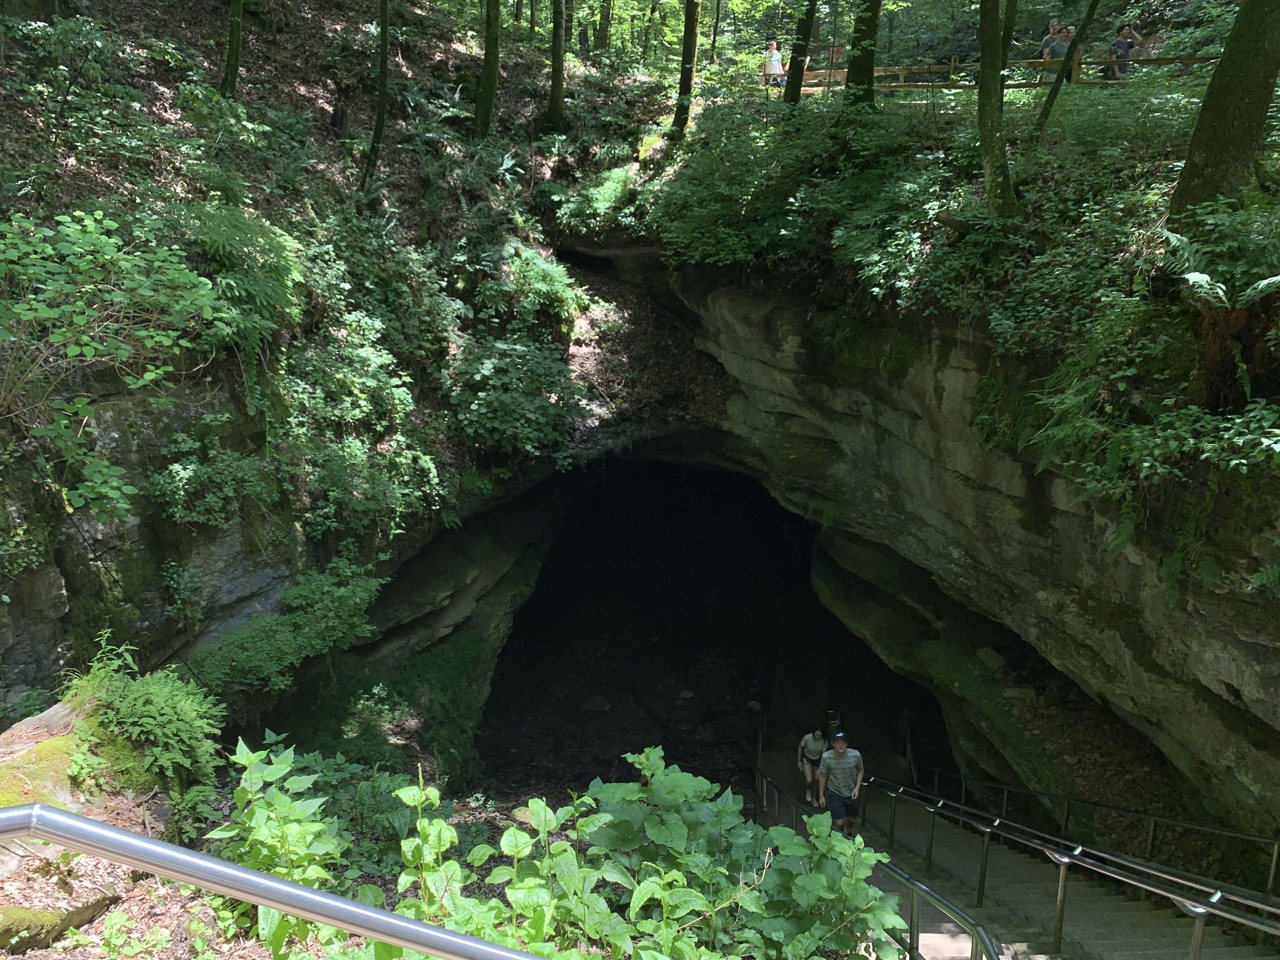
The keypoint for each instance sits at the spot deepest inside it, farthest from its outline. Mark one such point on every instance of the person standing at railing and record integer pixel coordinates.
(808, 755)
(1048, 39)
(773, 72)
(840, 781)
(1055, 51)
(1121, 47)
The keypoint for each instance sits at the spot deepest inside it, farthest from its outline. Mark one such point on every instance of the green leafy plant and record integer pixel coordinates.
(158, 724)
(663, 867)
(120, 938)
(276, 828)
(320, 611)
(514, 396)
(207, 484)
(86, 298)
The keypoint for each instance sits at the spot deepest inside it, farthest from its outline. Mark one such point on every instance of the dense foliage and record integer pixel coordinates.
(663, 867)
(336, 351)
(1152, 359)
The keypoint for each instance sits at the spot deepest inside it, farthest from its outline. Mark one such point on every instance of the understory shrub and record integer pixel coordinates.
(166, 724)
(661, 868)
(319, 612)
(512, 395)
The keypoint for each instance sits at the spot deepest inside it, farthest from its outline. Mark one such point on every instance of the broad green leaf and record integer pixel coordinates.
(669, 830)
(680, 901)
(516, 843)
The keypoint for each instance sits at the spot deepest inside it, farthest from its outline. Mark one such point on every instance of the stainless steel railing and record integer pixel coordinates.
(210, 873)
(1191, 896)
(1070, 804)
(778, 807)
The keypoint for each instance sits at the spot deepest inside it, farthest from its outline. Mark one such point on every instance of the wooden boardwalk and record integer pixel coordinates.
(962, 75)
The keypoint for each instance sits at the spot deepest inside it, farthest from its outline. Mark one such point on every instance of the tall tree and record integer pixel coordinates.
(860, 77)
(715, 31)
(603, 24)
(555, 105)
(1006, 32)
(380, 118)
(1233, 116)
(995, 161)
(648, 29)
(487, 95)
(800, 53)
(518, 14)
(231, 70)
(533, 18)
(688, 64)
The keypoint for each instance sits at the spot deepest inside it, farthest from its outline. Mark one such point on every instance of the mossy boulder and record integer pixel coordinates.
(35, 759)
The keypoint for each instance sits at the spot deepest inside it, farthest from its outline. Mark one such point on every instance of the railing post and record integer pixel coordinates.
(893, 815)
(1271, 874)
(964, 790)
(982, 862)
(1060, 907)
(1066, 817)
(1004, 803)
(1197, 937)
(913, 934)
(1151, 839)
(928, 844)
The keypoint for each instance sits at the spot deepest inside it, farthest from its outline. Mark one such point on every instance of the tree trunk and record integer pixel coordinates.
(533, 18)
(648, 29)
(995, 162)
(231, 71)
(800, 53)
(488, 94)
(688, 64)
(1233, 116)
(602, 27)
(1068, 62)
(715, 31)
(380, 119)
(860, 77)
(555, 107)
(1006, 34)
(570, 17)
(518, 14)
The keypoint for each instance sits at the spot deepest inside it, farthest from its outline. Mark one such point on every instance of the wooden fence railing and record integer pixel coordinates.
(960, 75)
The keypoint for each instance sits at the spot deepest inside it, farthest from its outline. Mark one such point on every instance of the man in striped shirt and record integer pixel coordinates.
(840, 781)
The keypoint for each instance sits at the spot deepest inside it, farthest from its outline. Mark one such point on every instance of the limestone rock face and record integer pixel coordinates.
(983, 552)
(31, 648)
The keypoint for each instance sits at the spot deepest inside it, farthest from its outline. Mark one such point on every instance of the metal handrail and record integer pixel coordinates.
(1198, 907)
(982, 945)
(1151, 819)
(1240, 895)
(210, 873)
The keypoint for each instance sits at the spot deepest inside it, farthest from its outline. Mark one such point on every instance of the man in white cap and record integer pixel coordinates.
(840, 781)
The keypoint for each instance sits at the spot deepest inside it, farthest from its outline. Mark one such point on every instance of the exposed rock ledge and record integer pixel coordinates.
(887, 456)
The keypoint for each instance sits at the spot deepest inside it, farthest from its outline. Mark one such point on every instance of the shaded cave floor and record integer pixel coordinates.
(672, 610)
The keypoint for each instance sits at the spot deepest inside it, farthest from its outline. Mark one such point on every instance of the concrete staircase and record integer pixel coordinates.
(1101, 922)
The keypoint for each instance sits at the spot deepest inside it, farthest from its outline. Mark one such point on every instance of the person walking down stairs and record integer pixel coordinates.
(840, 781)
(808, 755)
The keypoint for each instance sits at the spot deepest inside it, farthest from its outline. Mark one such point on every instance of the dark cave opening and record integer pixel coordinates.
(673, 608)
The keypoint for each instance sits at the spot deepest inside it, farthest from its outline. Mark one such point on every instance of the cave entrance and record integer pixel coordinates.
(671, 610)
